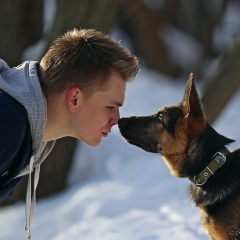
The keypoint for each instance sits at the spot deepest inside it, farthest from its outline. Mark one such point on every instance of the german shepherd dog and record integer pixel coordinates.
(192, 149)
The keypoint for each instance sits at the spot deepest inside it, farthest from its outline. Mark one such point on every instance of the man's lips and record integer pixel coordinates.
(105, 134)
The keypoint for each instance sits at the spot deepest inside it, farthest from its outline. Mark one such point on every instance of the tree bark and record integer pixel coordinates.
(196, 18)
(223, 85)
(21, 24)
(54, 171)
(143, 28)
(95, 14)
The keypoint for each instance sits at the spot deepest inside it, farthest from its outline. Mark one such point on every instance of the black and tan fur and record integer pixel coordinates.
(187, 143)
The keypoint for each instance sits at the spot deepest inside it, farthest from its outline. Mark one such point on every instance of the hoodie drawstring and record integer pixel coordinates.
(31, 198)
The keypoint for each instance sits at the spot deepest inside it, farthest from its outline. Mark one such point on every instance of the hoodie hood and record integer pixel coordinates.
(22, 84)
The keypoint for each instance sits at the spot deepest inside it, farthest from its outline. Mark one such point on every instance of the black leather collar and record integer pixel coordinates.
(217, 161)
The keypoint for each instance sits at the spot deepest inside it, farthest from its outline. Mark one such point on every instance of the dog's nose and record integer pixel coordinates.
(122, 123)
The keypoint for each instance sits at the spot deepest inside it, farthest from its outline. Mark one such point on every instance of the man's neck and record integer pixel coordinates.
(56, 126)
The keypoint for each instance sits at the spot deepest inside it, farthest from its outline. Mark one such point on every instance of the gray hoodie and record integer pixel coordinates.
(22, 84)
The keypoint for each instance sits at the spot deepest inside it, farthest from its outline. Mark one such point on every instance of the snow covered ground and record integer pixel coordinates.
(119, 192)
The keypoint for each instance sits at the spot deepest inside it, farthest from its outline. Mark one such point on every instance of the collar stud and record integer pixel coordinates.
(217, 161)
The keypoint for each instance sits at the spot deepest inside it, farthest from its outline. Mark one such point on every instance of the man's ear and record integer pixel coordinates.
(73, 98)
(192, 105)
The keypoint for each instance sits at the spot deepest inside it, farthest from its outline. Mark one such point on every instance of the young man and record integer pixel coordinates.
(76, 90)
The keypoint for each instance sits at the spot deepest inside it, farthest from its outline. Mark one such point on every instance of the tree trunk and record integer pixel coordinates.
(54, 171)
(198, 18)
(224, 84)
(143, 29)
(95, 14)
(21, 25)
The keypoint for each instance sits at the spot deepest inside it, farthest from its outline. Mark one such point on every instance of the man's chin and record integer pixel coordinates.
(91, 142)
(94, 143)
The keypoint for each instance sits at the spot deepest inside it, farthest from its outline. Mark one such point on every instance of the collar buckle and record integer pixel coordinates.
(217, 161)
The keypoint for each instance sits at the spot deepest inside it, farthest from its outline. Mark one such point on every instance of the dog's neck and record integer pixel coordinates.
(201, 152)
(217, 162)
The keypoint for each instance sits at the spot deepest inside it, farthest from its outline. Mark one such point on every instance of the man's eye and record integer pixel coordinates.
(110, 107)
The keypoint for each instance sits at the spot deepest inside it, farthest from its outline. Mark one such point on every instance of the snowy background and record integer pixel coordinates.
(119, 192)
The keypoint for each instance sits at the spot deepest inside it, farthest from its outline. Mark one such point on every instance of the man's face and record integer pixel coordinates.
(95, 116)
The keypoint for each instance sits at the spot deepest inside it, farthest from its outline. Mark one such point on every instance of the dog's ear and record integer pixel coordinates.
(192, 105)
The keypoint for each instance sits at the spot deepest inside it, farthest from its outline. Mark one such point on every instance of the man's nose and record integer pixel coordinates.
(114, 118)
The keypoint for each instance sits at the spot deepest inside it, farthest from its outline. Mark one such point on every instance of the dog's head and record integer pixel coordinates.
(170, 130)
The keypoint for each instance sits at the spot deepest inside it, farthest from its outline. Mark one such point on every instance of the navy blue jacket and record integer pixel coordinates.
(15, 143)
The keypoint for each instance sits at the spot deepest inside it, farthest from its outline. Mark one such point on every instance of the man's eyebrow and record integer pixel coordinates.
(117, 103)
